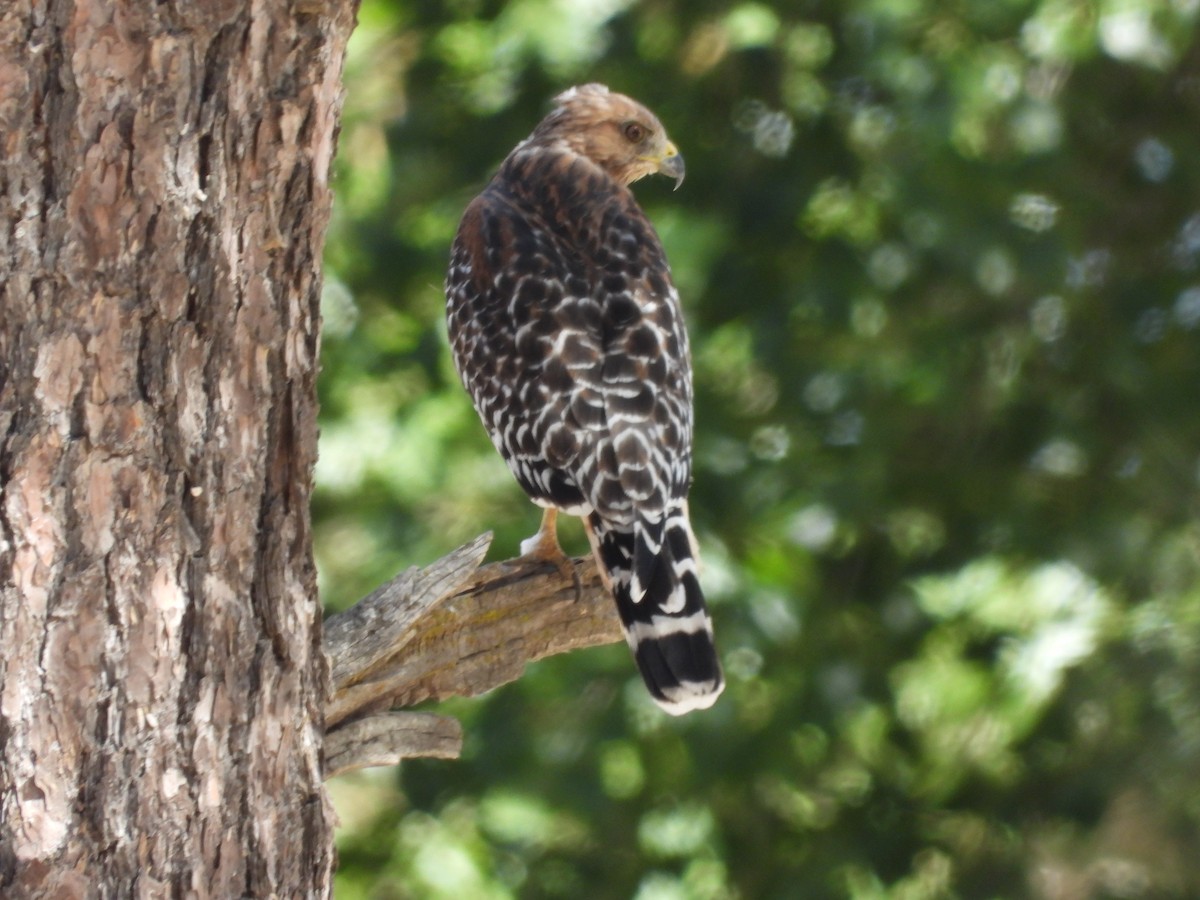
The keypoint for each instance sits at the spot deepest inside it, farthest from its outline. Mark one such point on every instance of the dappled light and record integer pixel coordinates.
(941, 270)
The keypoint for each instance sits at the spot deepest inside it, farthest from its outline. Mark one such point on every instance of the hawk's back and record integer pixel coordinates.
(567, 333)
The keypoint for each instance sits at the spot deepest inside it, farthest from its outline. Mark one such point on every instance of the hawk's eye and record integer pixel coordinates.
(635, 131)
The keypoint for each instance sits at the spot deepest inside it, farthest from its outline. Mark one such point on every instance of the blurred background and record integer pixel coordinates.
(941, 268)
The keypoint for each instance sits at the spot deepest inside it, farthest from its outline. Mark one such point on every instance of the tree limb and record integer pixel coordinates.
(387, 738)
(453, 629)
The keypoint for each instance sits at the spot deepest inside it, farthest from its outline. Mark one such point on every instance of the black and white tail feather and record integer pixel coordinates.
(652, 572)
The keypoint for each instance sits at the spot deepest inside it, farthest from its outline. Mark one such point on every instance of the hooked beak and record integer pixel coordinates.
(671, 164)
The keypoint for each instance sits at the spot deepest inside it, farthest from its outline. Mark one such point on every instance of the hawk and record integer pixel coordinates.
(567, 333)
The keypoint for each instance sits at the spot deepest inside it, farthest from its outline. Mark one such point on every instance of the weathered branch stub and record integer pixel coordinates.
(453, 629)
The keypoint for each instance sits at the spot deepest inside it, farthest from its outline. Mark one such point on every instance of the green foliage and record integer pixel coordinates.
(942, 270)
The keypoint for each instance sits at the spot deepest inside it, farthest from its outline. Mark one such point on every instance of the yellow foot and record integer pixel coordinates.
(543, 548)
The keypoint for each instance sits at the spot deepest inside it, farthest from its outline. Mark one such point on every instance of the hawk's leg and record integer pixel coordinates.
(544, 548)
(595, 542)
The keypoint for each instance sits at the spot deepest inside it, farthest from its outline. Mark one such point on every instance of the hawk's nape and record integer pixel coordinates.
(567, 332)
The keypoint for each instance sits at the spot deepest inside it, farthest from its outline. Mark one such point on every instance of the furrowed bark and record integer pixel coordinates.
(163, 204)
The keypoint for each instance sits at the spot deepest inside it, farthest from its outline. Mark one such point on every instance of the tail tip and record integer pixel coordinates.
(688, 696)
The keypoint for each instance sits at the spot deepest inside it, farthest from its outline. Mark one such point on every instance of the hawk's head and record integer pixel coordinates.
(614, 131)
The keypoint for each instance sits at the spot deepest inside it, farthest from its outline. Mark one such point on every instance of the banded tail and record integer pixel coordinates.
(654, 581)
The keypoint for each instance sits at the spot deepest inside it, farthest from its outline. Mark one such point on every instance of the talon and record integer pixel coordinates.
(566, 568)
(544, 548)
(575, 580)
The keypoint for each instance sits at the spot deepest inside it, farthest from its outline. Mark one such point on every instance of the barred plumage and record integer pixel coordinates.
(568, 335)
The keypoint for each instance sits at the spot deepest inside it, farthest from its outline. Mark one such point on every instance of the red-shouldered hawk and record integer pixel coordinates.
(568, 335)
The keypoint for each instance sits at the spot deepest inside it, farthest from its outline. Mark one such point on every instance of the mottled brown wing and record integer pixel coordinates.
(566, 331)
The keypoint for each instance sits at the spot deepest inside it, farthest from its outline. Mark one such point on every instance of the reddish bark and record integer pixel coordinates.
(163, 203)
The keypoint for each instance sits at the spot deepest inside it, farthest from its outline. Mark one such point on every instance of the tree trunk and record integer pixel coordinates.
(163, 202)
